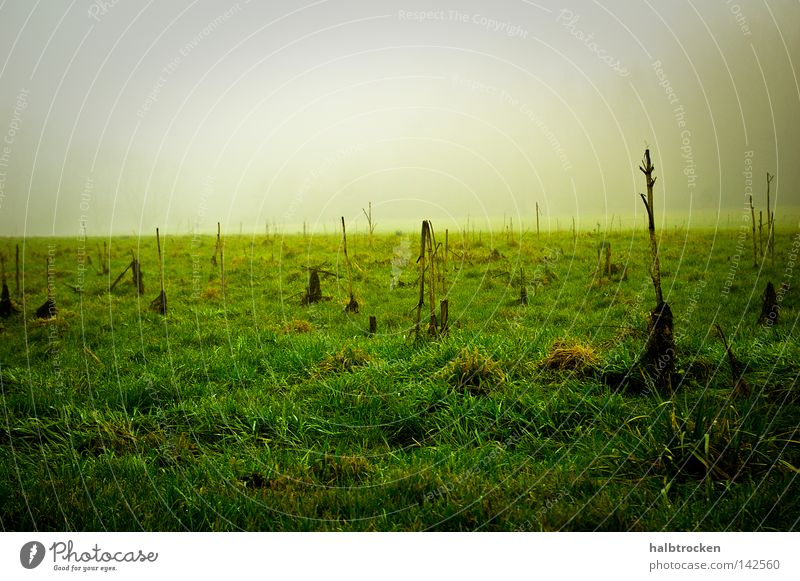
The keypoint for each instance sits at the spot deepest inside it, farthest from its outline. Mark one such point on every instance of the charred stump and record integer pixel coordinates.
(659, 354)
(314, 290)
(159, 304)
(47, 310)
(352, 306)
(769, 307)
(7, 308)
(373, 325)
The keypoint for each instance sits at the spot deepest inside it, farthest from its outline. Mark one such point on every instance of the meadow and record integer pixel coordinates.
(244, 409)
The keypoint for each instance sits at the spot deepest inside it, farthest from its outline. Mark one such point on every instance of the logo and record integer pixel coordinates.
(32, 554)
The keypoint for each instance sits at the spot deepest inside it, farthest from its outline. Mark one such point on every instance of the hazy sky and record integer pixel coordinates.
(126, 115)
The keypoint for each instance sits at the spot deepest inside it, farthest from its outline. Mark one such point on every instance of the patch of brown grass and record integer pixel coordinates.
(571, 356)
(298, 326)
(211, 293)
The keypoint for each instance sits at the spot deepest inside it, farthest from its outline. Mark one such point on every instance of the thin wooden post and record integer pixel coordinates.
(421, 261)
(159, 304)
(772, 240)
(221, 263)
(17, 273)
(432, 286)
(373, 325)
(655, 268)
(444, 315)
(352, 306)
(753, 220)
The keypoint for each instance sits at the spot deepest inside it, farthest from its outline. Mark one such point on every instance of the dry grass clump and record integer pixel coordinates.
(571, 356)
(298, 326)
(210, 293)
(346, 359)
(473, 371)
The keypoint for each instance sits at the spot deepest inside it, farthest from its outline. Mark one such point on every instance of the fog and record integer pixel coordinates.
(117, 117)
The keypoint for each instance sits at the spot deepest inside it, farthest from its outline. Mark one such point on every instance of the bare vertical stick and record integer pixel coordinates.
(444, 315)
(106, 258)
(444, 262)
(159, 304)
(138, 279)
(655, 268)
(769, 209)
(772, 240)
(370, 223)
(216, 248)
(352, 306)
(659, 354)
(373, 325)
(160, 260)
(421, 261)
(221, 243)
(760, 232)
(753, 220)
(16, 280)
(537, 219)
(432, 285)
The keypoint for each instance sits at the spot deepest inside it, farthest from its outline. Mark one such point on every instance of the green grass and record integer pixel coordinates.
(248, 411)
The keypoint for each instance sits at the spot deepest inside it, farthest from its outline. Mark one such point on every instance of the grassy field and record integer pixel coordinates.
(246, 410)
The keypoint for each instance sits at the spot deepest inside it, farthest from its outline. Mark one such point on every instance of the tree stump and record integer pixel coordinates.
(7, 308)
(373, 325)
(314, 289)
(769, 307)
(47, 310)
(159, 304)
(659, 355)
